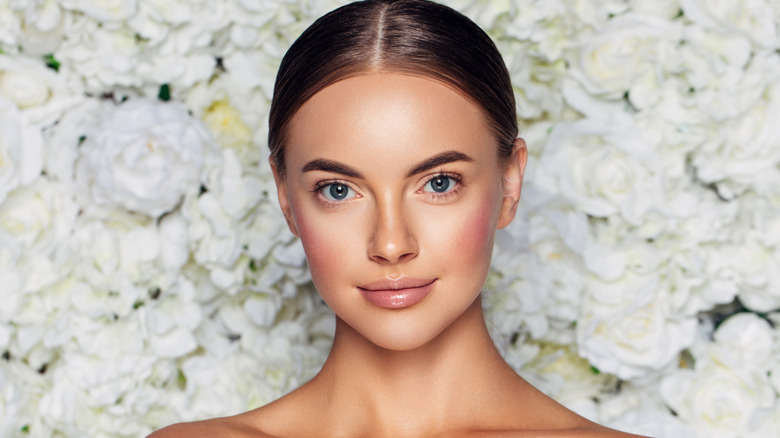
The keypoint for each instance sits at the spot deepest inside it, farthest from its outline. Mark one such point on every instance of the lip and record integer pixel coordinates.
(397, 294)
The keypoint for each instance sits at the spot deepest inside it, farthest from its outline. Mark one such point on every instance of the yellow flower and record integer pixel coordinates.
(225, 123)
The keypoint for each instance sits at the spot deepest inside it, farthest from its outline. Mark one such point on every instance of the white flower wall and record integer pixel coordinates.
(147, 276)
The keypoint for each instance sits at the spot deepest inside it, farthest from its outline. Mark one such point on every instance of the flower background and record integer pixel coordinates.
(147, 276)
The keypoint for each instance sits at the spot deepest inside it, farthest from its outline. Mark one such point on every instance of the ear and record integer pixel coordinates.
(281, 192)
(513, 183)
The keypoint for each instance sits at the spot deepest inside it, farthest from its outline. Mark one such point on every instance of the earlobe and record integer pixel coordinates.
(284, 202)
(513, 183)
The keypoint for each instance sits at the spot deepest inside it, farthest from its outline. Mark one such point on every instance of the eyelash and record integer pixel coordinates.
(454, 191)
(326, 202)
(437, 197)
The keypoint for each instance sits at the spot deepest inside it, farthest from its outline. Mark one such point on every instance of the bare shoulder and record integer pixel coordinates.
(238, 426)
(595, 431)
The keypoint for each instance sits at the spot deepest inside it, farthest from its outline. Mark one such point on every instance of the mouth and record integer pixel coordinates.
(397, 294)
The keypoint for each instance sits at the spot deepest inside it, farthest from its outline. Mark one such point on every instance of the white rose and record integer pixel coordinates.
(753, 253)
(104, 10)
(719, 401)
(660, 8)
(754, 18)
(745, 340)
(603, 168)
(560, 373)
(639, 409)
(539, 259)
(625, 329)
(710, 58)
(39, 216)
(20, 149)
(757, 275)
(10, 25)
(625, 55)
(145, 156)
(484, 12)
(44, 25)
(744, 148)
(12, 279)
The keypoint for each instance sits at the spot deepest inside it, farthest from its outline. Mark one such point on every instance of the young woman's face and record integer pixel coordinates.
(395, 187)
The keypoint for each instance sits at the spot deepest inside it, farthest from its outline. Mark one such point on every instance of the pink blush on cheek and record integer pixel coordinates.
(474, 236)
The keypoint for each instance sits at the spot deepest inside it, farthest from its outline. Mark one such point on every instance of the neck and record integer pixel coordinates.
(431, 386)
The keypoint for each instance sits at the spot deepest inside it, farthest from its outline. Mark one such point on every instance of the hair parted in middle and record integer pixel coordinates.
(415, 37)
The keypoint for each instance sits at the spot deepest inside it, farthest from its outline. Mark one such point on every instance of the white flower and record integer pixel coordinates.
(63, 139)
(539, 260)
(10, 24)
(102, 56)
(743, 148)
(754, 18)
(484, 12)
(174, 251)
(660, 8)
(719, 400)
(745, 341)
(39, 216)
(213, 388)
(44, 25)
(603, 167)
(625, 329)
(625, 55)
(145, 156)
(640, 409)
(104, 10)
(20, 149)
(560, 373)
(235, 113)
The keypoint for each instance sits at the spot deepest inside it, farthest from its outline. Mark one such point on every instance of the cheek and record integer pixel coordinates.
(476, 233)
(328, 242)
(466, 238)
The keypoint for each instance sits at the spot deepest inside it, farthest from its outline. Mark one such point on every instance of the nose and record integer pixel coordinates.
(392, 240)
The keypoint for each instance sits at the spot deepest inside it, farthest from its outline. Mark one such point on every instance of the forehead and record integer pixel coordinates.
(388, 115)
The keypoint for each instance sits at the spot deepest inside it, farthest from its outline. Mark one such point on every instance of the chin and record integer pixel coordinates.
(404, 342)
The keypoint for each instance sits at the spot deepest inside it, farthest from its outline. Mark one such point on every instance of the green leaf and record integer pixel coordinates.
(594, 370)
(181, 379)
(52, 62)
(25, 428)
(165, 93)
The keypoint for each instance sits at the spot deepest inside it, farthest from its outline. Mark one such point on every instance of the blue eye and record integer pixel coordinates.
(440, 184)
(336, 192)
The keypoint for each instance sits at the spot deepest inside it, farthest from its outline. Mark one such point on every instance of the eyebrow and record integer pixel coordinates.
(438, 160)
(331, 166)
(335, 167)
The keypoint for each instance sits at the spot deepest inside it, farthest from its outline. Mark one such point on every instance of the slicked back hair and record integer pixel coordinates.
(415, 37)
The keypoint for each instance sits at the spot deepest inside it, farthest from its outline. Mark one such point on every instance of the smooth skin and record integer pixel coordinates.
(393, 176)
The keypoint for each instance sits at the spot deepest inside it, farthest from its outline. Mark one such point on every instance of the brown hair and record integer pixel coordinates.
(416, 37)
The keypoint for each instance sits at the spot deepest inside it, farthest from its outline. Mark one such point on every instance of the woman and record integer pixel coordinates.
(394, 146)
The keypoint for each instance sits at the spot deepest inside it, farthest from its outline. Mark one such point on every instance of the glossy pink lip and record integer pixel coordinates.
(397, 294)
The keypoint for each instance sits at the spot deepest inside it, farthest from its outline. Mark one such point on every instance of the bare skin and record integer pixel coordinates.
(416, 368)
